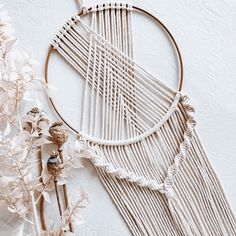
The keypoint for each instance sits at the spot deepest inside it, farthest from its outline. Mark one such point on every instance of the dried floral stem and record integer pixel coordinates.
(41, 201)
(58, 199)
(75, 207)
(31, 194)
(36, 220)
(19, 195)
(60, 151)
(14, 207)
(12, 123)
(45, 185)
(59, 136)
(42, 218)
(17, 104)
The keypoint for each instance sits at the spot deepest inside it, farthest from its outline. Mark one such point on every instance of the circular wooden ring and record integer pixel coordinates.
(89, 10)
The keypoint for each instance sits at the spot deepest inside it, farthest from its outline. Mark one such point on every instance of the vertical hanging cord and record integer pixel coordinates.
(92, 96)
(85, 95)
(139, 101)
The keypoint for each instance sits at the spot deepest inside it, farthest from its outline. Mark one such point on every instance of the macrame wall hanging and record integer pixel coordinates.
(139, 133)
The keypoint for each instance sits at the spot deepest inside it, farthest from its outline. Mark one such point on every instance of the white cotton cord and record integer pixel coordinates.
(141, 95)
(112, 187)
(216, 227)
(97, 97)
(172, 170)
(114, 114)
(129, 190)
(110, 124)
(108, 81)
(124, 31)
(202, 168)
(92, 98)
(117, 129)
(181, 220)
(121, 173)
(85, 90)
(184, 146)
(140, 137)
(193, 182)
(153, 84)
(147, 154)
(167, 187)
(112, 6)
(119, 53)
(65, 40)
(150, 156)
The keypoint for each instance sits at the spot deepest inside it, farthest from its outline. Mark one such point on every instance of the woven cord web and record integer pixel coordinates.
(142, 132)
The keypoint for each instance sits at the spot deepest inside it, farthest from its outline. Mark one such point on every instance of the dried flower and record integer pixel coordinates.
(17, 78)
(21, 136)
(71, 161)
(54, 165)
(11, 195)
(36, 122)
(6, 31)
(58, 133)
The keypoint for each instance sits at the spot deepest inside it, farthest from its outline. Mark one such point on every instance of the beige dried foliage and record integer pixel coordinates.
(22, 135)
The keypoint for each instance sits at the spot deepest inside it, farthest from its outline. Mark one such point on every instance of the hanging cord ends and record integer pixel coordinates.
(181, 219)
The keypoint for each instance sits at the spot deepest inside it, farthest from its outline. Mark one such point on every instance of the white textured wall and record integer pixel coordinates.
(206, 33)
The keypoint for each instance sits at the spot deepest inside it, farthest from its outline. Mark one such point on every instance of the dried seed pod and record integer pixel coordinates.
(36, 120)
(34, 111)
(54, 164)
(58, 133)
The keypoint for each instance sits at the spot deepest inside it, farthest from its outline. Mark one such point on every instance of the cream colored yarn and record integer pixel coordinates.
(141, 133)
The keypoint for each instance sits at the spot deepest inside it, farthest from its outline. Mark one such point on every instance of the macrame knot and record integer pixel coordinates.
(118, 6)
(181, 218)
(184, 98)
(169, 193)
(129, 7)
(107, 6)
(168, 182)
(123, 6)
(189, 108)
(67, 26)
(55, 43)
(153, 185)
(75, 18)
(174, 169)
(183, 150)
(188, 134)
(123, 174)
(62, 32)
(113, 6)
(99, 8)
(71, 23)
(82, 10)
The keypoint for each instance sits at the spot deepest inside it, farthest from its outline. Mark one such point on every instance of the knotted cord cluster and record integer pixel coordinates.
(140, 132)
(173, 169)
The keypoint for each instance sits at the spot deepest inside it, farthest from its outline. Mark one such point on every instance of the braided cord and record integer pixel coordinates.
(141, 181)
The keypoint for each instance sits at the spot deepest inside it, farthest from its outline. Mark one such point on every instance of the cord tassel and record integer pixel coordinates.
(181, 219)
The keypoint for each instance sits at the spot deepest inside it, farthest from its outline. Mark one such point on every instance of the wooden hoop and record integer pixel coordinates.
(89, 10)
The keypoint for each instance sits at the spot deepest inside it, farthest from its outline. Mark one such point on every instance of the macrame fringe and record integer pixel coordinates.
(180, 217)
(142, 138)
